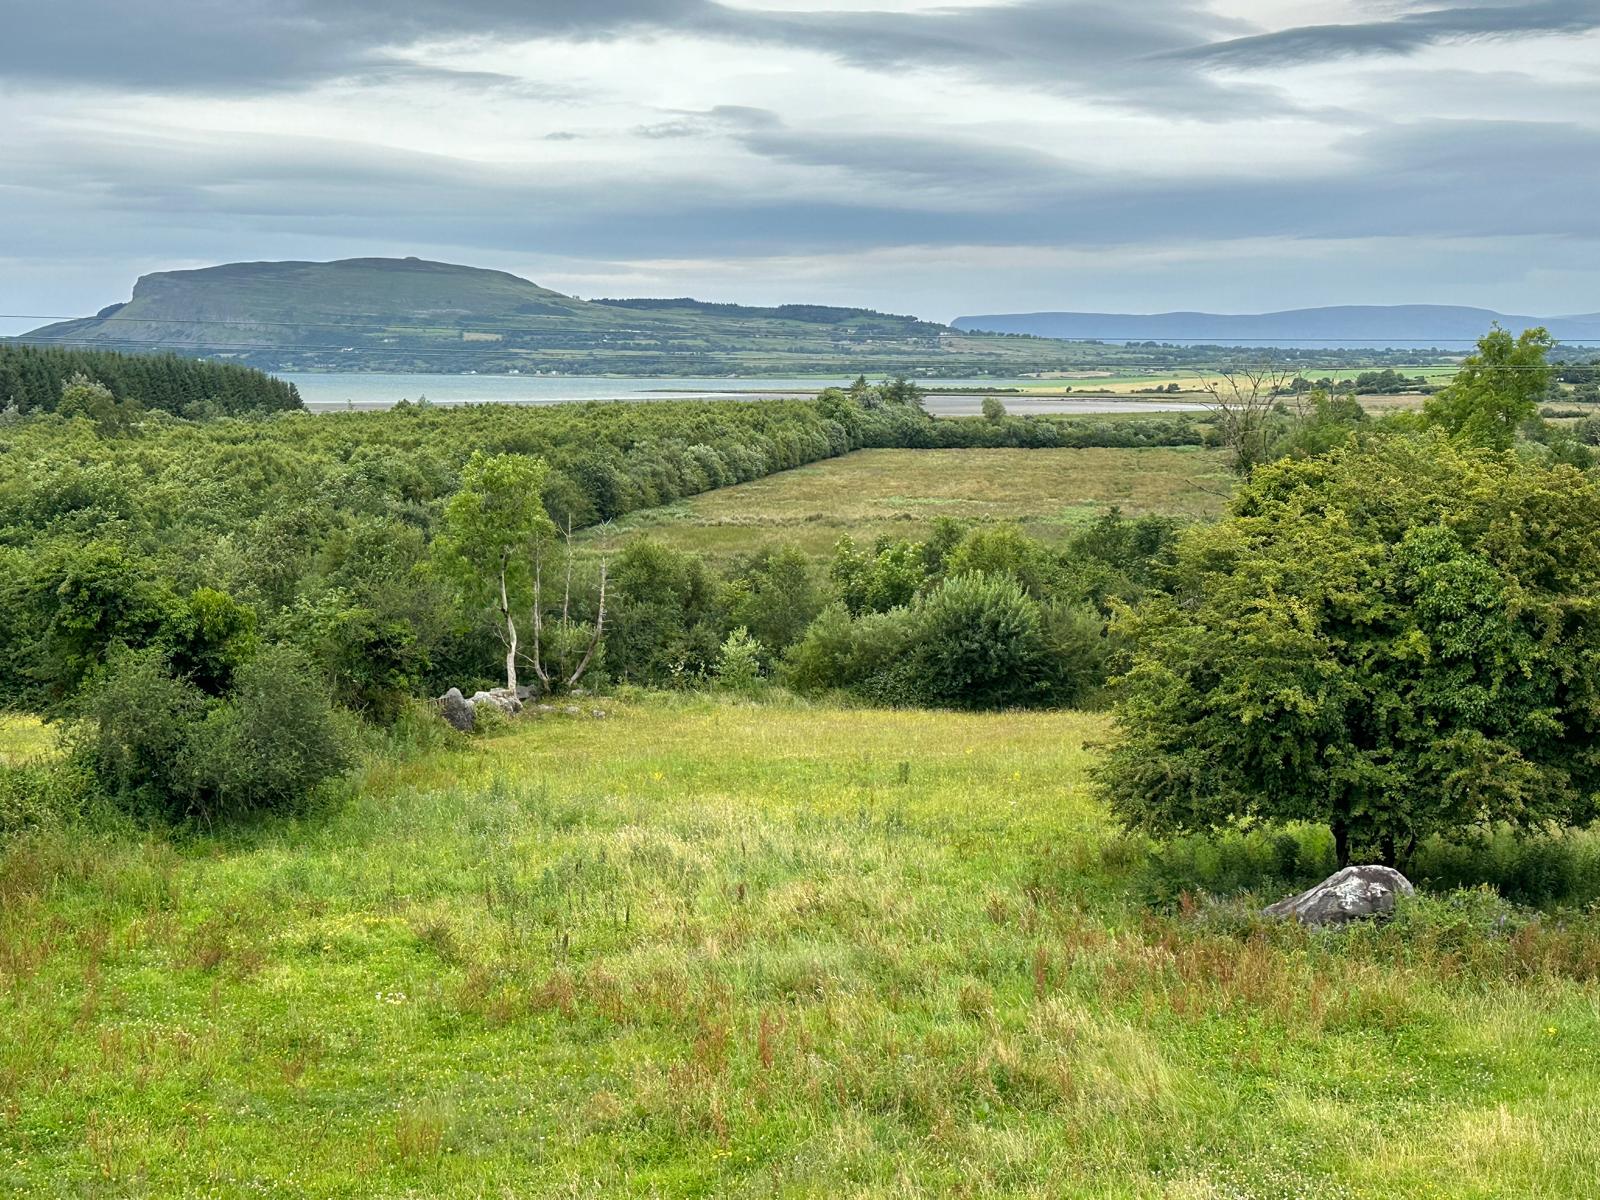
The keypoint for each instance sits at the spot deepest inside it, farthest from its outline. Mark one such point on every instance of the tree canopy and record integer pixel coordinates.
(1496, 390)
(34, 378)
(1392, 641)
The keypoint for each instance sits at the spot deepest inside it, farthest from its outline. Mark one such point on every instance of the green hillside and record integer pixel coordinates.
(411, 315)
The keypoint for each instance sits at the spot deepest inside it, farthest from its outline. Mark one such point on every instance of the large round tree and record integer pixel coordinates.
(1394, 641)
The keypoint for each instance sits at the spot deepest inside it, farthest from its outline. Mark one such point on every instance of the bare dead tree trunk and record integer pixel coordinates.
(599, 631)
(511, 625)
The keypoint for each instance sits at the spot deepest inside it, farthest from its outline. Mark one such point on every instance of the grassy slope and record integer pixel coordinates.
(899, 492)
(720, 950)
(390, 314)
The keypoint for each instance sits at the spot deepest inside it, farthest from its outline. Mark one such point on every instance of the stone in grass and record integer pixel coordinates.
(1353, 894)
(457, 710)
(504, 699)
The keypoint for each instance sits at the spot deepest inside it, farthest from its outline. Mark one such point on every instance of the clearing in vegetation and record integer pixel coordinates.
(24, 738)
(722, 949)
(900, 492)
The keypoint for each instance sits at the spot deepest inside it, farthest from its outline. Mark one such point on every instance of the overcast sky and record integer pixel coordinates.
(938, 158)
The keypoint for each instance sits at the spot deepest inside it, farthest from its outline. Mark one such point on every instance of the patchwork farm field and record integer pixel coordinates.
(714, 948)
(1192, 384)
(901, 492)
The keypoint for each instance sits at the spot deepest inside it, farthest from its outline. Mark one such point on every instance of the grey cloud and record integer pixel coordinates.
(73, 193)
(1079, 46)
(745, 116)
(925, 160)
(1405, 34)
(1430, 180)
(252, 45)
(972, 168)
(667, 130)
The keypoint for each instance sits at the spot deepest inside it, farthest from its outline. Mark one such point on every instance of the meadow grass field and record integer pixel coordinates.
(24, 738)
(900, 493)
(705, 947)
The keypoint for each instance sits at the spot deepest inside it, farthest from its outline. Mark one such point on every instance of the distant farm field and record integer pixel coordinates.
(901, 492)
(1193, 383)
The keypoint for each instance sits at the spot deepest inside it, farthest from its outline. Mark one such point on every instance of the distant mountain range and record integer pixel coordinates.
(1349, 326)
(388, 314)
(410, 315)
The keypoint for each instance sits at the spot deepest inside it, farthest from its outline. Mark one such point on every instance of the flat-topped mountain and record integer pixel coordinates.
(1443, 325)
(412, 315)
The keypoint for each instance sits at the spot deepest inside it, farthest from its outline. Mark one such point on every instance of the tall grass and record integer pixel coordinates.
(710, 947)
(900, 492)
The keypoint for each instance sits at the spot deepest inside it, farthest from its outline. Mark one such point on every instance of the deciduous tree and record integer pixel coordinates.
(1496, 389)
(1394, 642)
(495, 527)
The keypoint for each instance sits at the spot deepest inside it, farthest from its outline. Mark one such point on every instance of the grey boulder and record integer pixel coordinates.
(502, 698)
(1353, 894)
(457, 710)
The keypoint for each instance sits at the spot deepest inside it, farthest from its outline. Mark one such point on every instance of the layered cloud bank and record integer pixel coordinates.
(928, 157)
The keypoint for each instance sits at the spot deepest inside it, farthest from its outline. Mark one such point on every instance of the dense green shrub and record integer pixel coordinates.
(159, 745)
(1396, 642)
(138, 738)
(1077, 654)
(857, 654)
(739, 663)
(1115, 560)
(42, 794)
(68, 602)
(971, 641)
(271, 742)
(1559, 868)
(976, 642)
(889, 577)
(210, 635)
(376, 662)
(772, 595)
(876, 640)
(1006, 550)
(662, 626)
